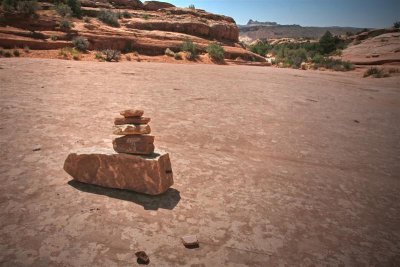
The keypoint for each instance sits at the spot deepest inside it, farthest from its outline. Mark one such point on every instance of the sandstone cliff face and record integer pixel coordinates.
(148, 28)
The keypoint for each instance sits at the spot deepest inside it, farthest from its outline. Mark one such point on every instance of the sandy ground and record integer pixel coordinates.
(272, 167)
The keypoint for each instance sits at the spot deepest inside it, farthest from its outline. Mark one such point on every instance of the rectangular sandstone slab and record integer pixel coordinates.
(132, 113)
(131, 120)
(102, 166)
(134, 144)
(131, 129)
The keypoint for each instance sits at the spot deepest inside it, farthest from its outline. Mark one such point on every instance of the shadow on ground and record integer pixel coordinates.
(167, 200)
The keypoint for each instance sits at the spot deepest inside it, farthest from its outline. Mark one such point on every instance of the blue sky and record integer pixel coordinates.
(357, 13)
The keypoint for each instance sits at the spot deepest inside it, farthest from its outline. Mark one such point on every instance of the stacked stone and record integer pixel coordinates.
(136, 137)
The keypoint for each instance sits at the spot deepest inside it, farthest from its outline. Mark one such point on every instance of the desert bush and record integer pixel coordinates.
(178, 56)
(64, 52)
(376, 73)
(169, 52)
(396, 24)
(192, 6)
(128, 57)
(16, 53)
(215, 51)
(81, 43)
(111, 55)
(145, 16)
(393, 70)
(86, 20)
(7, 54)
(126, 14)
(63, 10)
(261, 48)
(53, 37)
(27, 8)
(317, 58)
(190, 47)
(98, 56)
(26, 49)
(66, 25)
(128, 47)
(1, 51)
(108, 17)
(335, 64)
(75, 6)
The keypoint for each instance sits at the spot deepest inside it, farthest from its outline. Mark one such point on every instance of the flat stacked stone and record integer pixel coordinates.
(136, 137)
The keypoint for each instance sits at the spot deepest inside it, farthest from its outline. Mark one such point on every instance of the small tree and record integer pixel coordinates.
(328, 43)
(396, 24)
(63, 10)
(192, 6)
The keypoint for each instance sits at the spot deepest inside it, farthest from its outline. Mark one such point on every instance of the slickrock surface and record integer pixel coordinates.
(131, 120)
(270, 168)
(131, 129)
(134, 144)
(150, 175)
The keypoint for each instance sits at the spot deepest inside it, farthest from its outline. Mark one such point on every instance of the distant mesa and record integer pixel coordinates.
(266, 23)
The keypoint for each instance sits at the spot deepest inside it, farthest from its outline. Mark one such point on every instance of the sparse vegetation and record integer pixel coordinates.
(108, 17)
(215, 51)
(26, 8)
(396, 24)
(1, 51)
(260, 48)
(99, 56)
(75, 6)
(16, 53)
(63, 10)
(66, 25)
(86, 20)
(376, 73)
(111, 55)
(7, 54)
(26, 49)
(145, 16)
(191, 49)
(81, 43)
(192, 6)
(178, 56)
(126, 14)
(332, 64)
(169, 52)
(54, 37)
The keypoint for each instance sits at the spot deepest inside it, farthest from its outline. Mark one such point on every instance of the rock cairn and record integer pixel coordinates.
(132, 165)
(136, 137)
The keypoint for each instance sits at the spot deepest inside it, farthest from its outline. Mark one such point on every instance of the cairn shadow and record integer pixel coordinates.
(167, 200)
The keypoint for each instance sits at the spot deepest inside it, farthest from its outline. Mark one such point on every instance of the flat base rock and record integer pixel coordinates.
(134, 144)
(103, 166)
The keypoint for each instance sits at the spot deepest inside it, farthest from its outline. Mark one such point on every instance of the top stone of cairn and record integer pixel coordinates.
(128, 113)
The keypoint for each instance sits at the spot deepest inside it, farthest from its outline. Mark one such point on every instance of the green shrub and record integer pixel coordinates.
(16, 53)
(75, 6)
(260, 48)
(190, 47)
(145, 16)
(192, 6)
(169, 52)
(376, 73)
(215, 51)
(317, 59)
(54, 37)
(126, 14)
(109, 17)
(99, 56)
(7, 54)
(81, 43)
(328, 43)
(112, 55)
(66, 25)
(86, 19)
(27, 8)
(396, 24)
(63, 10)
